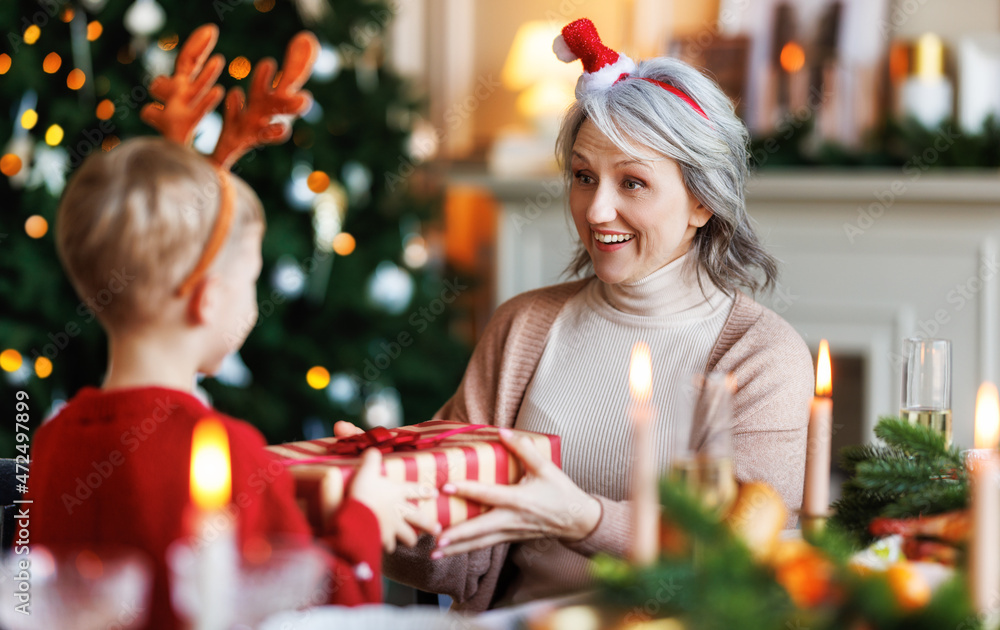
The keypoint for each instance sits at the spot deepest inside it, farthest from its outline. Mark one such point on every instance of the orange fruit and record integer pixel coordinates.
(807, 576)
(909, 587)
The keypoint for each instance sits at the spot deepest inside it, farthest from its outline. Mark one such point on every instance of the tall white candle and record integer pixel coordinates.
(984, 474)
(216, 558)
(645, 491)
(816, 494)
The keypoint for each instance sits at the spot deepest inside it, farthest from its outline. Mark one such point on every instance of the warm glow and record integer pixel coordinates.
(211, 474)
(531, 61)
(67, 14)
(929, 56)
(793, 57)
(10, 360)
(344, 244)
(239, 68)
(36, 226)
(94, 30)
(89, 565)
(10, 165)
(76, 79)
(899, 62)
(4, 63)
(640, 372)
(31, 34)
(169, 42)
(29, 119)
(53, 135)
(824, 378)
(263, 5)
(547, 97)
(43, 367)
(109, 143)
(52, 62)
(987, 416)
(318, 377)
(318, 181)
(105, 109)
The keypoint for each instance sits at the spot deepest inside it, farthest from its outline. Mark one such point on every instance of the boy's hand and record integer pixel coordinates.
(343, 428)
(388, 500)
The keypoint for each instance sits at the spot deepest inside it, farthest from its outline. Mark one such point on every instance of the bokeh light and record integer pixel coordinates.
(318, 181)
(94, 30)
(4, 63)
(105, 109)
(67, 14)
(168, 42)
(239, 68)
(52, 63)
(36, 226)
(31, 34)
(75, 79)
(344, 244)
(792, 57)
(10, 165)
(10, 360)
(43, 367)
(29, 119)
(53, 135)
(318, 377)
(109, 143)
(263, 5)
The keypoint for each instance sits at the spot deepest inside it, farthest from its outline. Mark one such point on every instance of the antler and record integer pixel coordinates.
(191, 92)
(247, 124)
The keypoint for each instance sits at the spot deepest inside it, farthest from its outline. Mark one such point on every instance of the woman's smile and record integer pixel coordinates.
(607, 241)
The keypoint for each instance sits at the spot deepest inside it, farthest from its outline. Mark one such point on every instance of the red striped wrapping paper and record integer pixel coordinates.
(476, 455)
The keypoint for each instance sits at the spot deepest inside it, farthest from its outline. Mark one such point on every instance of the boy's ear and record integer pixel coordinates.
(204, 301)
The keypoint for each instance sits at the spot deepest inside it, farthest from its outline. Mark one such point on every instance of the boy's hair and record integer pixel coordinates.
(133, 222)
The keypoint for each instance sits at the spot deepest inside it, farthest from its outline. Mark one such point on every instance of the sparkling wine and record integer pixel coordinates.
(937, 419)
(709, 478)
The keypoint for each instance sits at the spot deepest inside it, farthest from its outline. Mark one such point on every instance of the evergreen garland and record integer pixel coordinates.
(913, 473)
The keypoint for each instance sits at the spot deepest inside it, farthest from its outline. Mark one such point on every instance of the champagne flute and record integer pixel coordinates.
(926, 395)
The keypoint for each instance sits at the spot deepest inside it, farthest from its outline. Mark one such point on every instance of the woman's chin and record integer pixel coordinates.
(610, 274)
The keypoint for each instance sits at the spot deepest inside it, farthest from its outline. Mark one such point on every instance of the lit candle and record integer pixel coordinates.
(211, 526)
(816, 494)
(645, 491)
(927, 95)
(984, 474)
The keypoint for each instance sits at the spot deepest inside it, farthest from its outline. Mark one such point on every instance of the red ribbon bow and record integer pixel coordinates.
(391, 441)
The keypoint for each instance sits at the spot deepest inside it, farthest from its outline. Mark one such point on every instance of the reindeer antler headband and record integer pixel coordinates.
(191, 93)
(602, 66)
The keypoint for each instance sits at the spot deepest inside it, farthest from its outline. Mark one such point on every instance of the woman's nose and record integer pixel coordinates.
(602, 207)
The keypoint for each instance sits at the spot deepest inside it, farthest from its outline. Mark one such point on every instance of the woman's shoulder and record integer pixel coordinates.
(756, 334)
(548, 299)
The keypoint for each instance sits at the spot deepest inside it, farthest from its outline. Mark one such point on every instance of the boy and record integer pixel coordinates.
(147, 210)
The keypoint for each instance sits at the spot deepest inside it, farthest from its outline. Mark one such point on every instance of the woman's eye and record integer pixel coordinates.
(583, 178)
(632, 184)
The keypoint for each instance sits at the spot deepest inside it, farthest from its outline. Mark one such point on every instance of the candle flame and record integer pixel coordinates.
(987, 416)
(640, 373)
(211, 474)
(824, 378)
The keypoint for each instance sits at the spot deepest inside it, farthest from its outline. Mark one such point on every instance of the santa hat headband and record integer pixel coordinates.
(602, 66)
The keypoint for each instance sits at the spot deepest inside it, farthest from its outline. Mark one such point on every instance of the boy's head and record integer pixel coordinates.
(131, 227)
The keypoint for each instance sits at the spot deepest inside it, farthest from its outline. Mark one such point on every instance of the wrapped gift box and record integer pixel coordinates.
(433, 452)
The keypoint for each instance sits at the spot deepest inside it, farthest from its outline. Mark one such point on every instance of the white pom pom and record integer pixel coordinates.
(562, 51)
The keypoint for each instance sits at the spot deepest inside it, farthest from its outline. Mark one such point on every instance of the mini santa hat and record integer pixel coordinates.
(602, 66)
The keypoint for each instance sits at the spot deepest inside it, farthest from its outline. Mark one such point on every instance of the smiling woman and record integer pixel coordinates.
(656, 164)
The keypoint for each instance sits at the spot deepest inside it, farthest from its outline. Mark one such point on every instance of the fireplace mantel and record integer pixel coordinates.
(867, 258)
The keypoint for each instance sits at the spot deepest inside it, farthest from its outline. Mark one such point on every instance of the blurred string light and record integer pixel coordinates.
(357, 179)
(329, 208)
(36, 226)
(75, 79)
(50, 167)
(342, 389)
(109, 143)
(106, 109)
(4, 63)
(10, 360)
(66, 15)
(384, 409)
(288, 278)
(328, 64)
(94, 30)
(169, 42)
(43, 367)
(158, 61)
(144, 18)
(314, 114)
(415, 251)
(29, 119)
(318, 377)
(390, 288)
(52, 63)
(10, 164)
(344, 244)
(263, 5)
(53, 135)
(422, 144)
(239, 68)
(234, 372)
(318, 181)
(297, 191)
(31, 34)
(206, 133)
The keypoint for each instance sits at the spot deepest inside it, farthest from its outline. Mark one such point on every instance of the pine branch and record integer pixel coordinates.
(935, 499)
(915, 440)
(851, 456)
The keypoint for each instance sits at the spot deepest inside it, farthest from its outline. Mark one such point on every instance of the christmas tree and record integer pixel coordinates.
(352, 297)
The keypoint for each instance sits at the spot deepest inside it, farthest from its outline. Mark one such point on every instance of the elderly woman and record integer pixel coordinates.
(656, 162)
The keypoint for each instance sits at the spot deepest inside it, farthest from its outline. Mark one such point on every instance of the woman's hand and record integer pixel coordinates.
(544, 504)
(388, 500)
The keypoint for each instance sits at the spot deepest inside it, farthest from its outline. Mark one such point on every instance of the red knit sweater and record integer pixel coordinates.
(113, 468)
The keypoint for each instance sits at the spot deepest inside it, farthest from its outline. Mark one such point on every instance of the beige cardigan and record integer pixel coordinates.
(774, 374)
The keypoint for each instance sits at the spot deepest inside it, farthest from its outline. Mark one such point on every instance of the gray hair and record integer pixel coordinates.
(639, 116)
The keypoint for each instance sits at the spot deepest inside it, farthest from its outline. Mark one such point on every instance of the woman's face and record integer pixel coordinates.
(633, 216)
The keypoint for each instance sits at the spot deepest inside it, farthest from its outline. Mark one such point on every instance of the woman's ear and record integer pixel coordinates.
(204, 301)
(699, 216)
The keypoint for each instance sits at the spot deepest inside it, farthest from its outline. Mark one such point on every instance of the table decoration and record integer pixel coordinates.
(645, 503)
(816, 493)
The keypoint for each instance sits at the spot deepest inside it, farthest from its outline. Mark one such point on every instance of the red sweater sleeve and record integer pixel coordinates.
(352, 535)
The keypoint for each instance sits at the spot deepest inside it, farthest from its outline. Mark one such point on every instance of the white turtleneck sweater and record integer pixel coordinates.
(589, 409)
